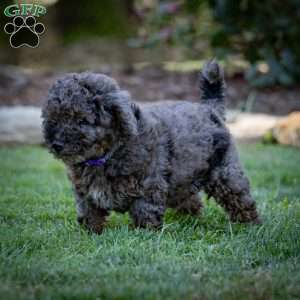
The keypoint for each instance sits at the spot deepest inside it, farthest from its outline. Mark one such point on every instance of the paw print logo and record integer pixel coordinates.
(24, 32)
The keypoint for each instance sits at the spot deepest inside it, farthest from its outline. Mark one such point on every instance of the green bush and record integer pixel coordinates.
(184, 24)
(262, 31)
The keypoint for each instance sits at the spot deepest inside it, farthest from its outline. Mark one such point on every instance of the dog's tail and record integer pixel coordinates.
(212, 86)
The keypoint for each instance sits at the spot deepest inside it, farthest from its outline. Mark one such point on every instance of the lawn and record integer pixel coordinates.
(45, 255)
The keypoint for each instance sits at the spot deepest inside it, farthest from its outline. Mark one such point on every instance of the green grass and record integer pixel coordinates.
(45, 255)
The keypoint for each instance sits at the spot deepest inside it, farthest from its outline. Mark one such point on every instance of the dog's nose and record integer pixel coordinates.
(57, 147)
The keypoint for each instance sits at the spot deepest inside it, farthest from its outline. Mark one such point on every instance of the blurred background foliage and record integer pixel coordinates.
(261, 30)
(264, 35)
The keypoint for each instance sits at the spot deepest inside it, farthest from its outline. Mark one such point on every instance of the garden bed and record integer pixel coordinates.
(153, 83)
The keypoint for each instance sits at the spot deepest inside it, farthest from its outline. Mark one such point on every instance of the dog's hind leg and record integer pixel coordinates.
(190, 205)
(147, 214)
(229, 186)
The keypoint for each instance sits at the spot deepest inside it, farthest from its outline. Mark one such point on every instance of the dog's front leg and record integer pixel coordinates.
(91, 217)
(147, 214)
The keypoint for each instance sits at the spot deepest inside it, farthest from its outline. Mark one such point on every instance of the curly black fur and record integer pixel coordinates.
(164, 154)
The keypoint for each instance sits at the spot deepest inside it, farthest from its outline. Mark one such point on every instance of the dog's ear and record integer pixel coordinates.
(121, 109)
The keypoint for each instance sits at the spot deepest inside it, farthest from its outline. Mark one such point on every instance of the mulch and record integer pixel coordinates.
(19, 87)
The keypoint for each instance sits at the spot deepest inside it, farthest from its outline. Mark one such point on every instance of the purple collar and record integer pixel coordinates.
(98, 162)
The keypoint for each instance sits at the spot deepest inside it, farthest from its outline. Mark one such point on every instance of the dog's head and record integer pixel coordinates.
(85, 115)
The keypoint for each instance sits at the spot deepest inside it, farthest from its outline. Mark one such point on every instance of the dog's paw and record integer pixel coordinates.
(193, 207)
(257, 221)
(152, 221)
(147, 215)
(91, 225)
(94, 222)
(212, 72)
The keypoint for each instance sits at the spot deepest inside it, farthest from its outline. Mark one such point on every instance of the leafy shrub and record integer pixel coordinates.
(262, 31)
(175, 23)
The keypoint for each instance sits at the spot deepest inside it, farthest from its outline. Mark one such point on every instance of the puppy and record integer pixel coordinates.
(123, 157)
